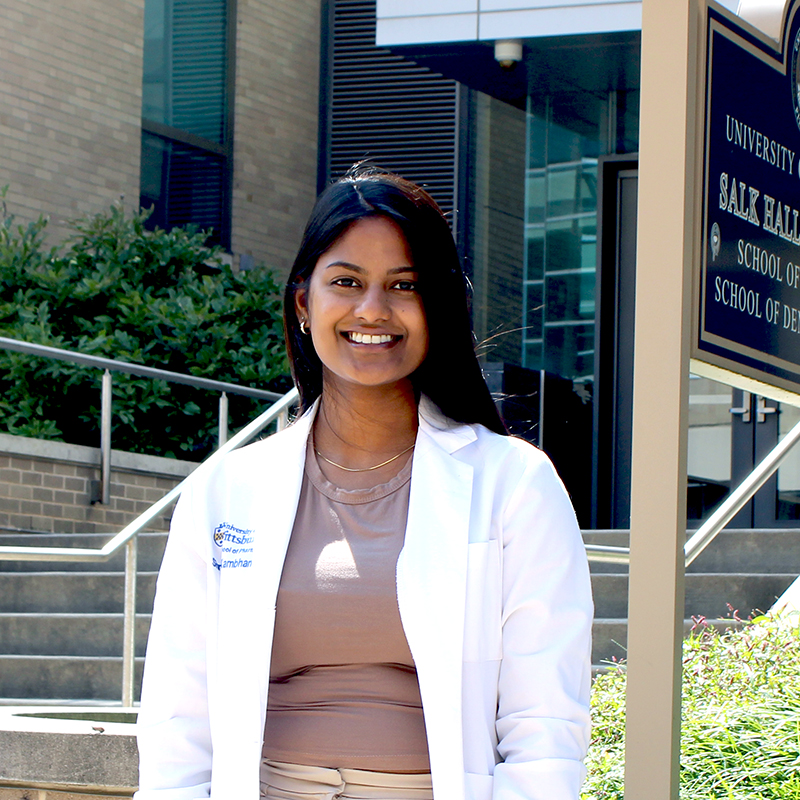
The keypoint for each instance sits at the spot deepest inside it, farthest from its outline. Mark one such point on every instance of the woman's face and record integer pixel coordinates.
(363, 307)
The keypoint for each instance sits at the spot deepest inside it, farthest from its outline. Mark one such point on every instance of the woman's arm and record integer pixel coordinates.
(543, 706)
(173, 726)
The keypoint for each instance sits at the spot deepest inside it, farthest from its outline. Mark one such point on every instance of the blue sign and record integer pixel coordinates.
(749, 318)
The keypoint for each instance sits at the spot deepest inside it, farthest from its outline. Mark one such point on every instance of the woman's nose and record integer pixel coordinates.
(373, 305)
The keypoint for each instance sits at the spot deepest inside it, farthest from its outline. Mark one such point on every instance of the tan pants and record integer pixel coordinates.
(281, 781)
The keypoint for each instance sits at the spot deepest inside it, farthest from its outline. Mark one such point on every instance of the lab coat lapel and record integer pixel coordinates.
(269, 503)
(431, 590)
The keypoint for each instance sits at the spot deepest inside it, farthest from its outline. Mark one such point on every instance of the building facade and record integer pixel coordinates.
(540, 154)
(207, 111)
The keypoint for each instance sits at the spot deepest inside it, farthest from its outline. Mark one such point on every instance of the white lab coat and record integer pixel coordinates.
(494, 597)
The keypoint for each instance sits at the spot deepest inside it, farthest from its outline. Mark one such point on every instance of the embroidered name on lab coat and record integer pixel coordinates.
(232, 546)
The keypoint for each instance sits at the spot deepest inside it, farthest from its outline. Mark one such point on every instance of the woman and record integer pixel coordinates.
(391, 596)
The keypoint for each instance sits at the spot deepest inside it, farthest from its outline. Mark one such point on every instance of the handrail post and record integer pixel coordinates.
(223, 419)
(283, 420)
(105, 439)
(129, 625)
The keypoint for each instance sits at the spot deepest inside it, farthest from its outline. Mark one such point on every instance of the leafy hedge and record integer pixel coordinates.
(740, 734)
(117, 290)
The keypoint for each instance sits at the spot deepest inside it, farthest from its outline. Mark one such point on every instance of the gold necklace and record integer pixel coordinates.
(365, 469)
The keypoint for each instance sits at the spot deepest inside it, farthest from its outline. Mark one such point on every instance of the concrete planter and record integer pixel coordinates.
(67, 752)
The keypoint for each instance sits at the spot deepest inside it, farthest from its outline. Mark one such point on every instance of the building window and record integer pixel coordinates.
(566, 136)
(185, 117)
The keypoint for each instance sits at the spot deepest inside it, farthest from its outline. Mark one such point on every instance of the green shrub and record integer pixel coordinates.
(117, 290)
(740, 734)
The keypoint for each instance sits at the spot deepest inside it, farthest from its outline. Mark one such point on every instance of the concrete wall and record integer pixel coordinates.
(49, 487)
(275, 127)
(421, 21)
(70, 106)
(67, 753)
(425, 21)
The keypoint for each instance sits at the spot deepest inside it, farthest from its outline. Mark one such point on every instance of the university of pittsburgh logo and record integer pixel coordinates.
(232, 547)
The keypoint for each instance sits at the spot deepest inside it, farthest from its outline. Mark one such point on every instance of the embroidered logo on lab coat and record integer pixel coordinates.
(233, 547)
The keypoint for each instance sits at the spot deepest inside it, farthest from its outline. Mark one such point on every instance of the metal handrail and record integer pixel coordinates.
(115, 365)
(727, 510)
(109, 365)
(278, 411)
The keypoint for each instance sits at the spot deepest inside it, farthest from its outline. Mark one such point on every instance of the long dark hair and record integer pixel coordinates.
(450, 375)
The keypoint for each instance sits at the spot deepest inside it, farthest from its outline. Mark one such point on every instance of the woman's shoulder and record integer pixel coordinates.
(488, 452)
(510, 455)
(255, 461)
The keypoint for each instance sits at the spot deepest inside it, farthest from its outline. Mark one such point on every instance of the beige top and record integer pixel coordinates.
(343, 687)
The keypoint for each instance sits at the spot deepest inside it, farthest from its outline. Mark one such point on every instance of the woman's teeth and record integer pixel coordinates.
(369, 338)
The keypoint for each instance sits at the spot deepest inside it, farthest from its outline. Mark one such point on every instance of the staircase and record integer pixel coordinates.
(61, 623)
(748, 569)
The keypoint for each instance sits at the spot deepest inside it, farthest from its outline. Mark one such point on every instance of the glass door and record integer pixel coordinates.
(709, 462)
(730, 431)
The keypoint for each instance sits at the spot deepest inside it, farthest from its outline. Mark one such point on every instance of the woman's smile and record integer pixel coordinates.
(370, 338)
(363, 307)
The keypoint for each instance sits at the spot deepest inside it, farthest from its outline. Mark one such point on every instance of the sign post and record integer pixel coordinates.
(665, 244)
(717, 288)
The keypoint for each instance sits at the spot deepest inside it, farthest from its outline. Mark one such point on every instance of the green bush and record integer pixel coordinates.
(117, 290)
(740, 734)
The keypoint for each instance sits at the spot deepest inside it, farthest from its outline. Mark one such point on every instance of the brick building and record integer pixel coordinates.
(207, 110)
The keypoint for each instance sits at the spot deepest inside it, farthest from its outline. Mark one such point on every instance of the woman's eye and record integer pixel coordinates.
(406, 286)
(345, 281)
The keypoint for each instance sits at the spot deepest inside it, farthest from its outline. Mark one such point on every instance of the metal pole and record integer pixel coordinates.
(129, 626)
(105, 439)
(223, 419)
(664, 253)
(132, 528)
(283, 420)
(540, 437)
(16, 346)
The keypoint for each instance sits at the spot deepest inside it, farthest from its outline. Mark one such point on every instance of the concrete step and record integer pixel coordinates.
(73, 592)
(68, 634)
(150, 551)
(99, 592)
(610, 637)
(707, 595)
(98, 675)
(61, 624)
(68, 677)
(759, 550)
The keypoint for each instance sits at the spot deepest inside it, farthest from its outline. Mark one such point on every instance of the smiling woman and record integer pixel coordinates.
(363, 308)
(415, 615)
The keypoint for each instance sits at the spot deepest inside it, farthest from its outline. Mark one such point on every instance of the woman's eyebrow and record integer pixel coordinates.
(346, 265)
(361, 270)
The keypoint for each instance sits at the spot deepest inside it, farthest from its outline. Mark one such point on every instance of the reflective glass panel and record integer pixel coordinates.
(185, 65)
(710, 445)
(788, 500)
(183, 185)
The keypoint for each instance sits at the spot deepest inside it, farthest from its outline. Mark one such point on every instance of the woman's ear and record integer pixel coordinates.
(301, 302)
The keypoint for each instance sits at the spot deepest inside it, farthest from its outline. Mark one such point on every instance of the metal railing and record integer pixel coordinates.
(278, 412)
(727, 510)
(127, 536)
(109, 365)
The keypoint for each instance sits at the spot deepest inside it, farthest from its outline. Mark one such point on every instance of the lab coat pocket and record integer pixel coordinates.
(478, 787)
(482, 628)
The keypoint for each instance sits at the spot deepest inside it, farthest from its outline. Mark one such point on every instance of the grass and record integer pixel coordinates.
(740, 732)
